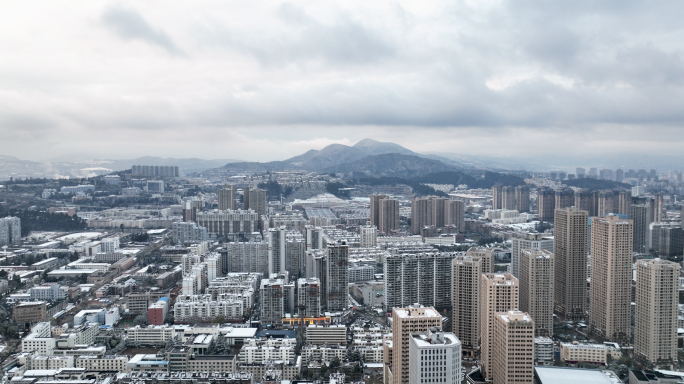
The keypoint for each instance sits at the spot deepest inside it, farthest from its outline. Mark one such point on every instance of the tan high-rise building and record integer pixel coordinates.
(570, 264)
(585, 200)
(465, 301)
(421, 214)
(513, 359)
(455, 214)
(640, 216)
(536, 288)
(564, 198)
(658, 208)
(498, 293)
(522, 198)
(508, 198)
(497, 192)
(406, 321)
(546, 203)
(655, 320)
(255, 199)
(438, 211)
(485, 255)
(375, 209)
(226, 197)
(611, 259)
(389, 215)
(624, 201)
(607, 202)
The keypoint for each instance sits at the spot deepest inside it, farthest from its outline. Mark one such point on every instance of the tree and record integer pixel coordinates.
(220, 319)
(121, 227)
(83, 279)
(16, 280)
(140, 320)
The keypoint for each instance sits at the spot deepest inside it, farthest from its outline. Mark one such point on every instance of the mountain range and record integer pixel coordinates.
(369, 157)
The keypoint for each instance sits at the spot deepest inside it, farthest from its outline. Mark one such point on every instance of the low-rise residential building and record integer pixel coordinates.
(47, 292)
(543, 351)
(259, 351)
(36, 362)
(29, 312)
(102, 363)
(320, 334)
(323, 353)
(150, 335)
(40, 340)
(198, 308)
(147, 363)
(573, 353)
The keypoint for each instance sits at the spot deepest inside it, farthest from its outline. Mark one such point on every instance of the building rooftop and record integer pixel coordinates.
(562, 375)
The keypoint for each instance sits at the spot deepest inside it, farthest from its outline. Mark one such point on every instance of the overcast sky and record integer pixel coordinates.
(266, 80)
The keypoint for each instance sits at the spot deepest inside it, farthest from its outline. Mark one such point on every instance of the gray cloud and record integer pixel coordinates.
(302, 37)
(128, 24)
(510, 72)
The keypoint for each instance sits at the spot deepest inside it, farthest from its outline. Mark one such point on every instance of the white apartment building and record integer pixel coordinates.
(221, 223)
(423, 278)
(206, 308)
(248, 257)
(150, 335)
(361, 273)
(36, 362)
(40, 340)
(102, 363)
(434, 357)
(78, 188)
(188, 232)
(10, 230)
(258, 351)
(543, 351)
(493, 214)
(109, 244)
(369, 236)
(323, 353)
(47, 292)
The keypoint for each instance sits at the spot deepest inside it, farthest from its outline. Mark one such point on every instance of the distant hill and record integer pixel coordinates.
(595, 184)
(486, 180)
(335, 154)
(391, 164)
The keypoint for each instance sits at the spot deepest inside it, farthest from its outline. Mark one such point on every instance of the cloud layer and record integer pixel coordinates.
(268, 80)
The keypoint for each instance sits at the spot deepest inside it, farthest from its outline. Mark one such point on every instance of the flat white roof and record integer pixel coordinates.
(59, 272)
(562, 375)
(88, 235)
(242, 332)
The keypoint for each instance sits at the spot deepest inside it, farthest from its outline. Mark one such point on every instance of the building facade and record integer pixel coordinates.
(655, 318)
(513, 357)
(405, 322)
(611, 257)
(498, 293)
(570, 264)
(536, 289)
